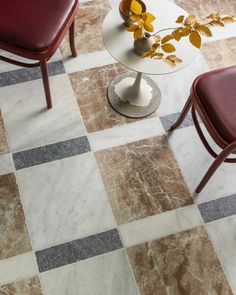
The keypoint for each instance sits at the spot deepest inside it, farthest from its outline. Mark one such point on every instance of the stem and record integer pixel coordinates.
(163, 31)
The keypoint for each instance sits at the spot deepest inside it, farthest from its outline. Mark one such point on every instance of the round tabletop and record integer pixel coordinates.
(119, 42)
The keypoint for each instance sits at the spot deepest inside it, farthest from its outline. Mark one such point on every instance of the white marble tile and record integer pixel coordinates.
(64, 200)
(108, 274)
(29, 123)
(223, 237)
(194, 160)
(6, 164)
(175, 87)
(6, 67)
(88, 61)
(160, 225)
(125, 134)
(17, 267)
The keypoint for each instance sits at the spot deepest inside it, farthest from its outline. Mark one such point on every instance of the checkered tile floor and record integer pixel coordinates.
(93, 203)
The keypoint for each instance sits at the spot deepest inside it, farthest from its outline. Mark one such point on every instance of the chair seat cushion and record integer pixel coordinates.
(33, 24)
(217, 92)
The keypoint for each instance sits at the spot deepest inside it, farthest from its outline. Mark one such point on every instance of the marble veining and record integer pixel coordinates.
(64, 200)
(30, 124)
(181, 264)
(48, 153)
(29, 286)
(142, 179)
(4, 149)
(221, 53)
(90, 88)
(108, 274)
(14, 238)
(203, 8)
(17, 268)
(123, 134)
(88, 28)
(78, 250)
(194, 160)
(222, 234)
(160, 225)
(6, 164)
(175, 87)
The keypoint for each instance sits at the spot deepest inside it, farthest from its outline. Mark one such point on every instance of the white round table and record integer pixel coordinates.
(137, 95)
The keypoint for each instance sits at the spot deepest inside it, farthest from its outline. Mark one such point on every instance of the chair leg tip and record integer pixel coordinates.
(197, 190)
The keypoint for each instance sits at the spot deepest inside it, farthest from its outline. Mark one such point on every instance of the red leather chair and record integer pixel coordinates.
(213, 97)
(34, 30)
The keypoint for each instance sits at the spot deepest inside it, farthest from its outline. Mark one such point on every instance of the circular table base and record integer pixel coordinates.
(125, 108)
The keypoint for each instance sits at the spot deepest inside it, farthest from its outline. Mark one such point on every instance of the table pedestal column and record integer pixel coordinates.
(134, 95)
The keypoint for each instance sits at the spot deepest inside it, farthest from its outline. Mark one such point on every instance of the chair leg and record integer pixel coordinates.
(44, 72)
(183, 114)
(72, 39)
(217, 162)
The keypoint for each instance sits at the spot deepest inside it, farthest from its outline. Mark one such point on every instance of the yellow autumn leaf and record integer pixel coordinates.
(195, 39)
(204, 30)
(180, 19)
(174, 58)
(136, 7)
(191, 19)
(146, 54)
(216, 23)
(158, 56)
(148, 27)
(140, 23)
(214, 16)
(168, 48)
(157, 38)
(176, 34)
(228, 19)
(155, 46)
(138, 34)
(167, 38)
(169, 62)
(185, 31)
(148, 17)
(135, 17)
(133, 28)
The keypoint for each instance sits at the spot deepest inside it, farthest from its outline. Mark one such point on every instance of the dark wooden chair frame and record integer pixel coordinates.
(44, 55)
(228, 148)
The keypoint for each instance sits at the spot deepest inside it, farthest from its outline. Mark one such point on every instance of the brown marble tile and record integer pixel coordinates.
(30, 286)
(202, 8)
(181, 264)
(219, 54)
(90, 88)
(14, 237)
(3, 140)
(142, 179)
(88, 29)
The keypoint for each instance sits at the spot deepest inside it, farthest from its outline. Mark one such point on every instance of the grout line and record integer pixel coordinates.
(132, 272)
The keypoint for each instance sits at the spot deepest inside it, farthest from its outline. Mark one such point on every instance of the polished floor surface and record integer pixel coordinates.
(93, 203)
